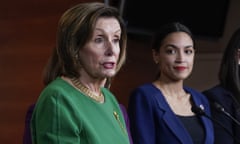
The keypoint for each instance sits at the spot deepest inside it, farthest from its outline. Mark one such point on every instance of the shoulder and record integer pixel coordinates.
(218, 89)
(220, 95)
(109, 95)
(57, 84)
(198, 97)
(57, 89)
(217, 93)
(144, 89)
(146, 94)
(193, 92)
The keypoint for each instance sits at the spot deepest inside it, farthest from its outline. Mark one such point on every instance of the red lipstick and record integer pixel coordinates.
(180, 68)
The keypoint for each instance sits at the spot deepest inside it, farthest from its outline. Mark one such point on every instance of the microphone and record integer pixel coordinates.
(221, 109)
(200, 112)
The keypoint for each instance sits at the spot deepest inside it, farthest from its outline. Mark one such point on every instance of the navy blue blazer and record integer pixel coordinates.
(153, 122)
(223, 97)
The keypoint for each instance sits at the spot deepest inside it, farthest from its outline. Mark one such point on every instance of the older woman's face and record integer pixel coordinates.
(176, 56)
(100, 55)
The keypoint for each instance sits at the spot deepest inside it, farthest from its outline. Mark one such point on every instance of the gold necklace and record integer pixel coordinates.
(87, 91)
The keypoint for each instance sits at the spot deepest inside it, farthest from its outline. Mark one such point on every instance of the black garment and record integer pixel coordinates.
(194, 127)
(223, 97)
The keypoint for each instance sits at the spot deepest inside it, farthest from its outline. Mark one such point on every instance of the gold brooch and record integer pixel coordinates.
(119, 122)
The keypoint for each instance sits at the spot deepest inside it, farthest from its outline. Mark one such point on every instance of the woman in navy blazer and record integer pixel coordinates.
(227, 94)
(161, 112)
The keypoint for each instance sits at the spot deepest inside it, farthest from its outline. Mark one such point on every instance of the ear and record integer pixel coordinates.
(155, 56)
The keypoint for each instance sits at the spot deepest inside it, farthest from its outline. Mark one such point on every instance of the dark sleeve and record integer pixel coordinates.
(141, 117)
(227, 130)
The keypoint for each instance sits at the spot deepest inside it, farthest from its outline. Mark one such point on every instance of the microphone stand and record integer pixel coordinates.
(221, 109)
(200, 112)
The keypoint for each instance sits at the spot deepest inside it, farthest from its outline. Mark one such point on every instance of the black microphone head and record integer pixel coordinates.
(197, 110)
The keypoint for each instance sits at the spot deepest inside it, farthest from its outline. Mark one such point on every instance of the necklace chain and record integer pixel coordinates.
(87, 91)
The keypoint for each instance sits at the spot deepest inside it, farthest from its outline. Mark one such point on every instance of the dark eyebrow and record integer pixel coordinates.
(174, 46)
(170, 45)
